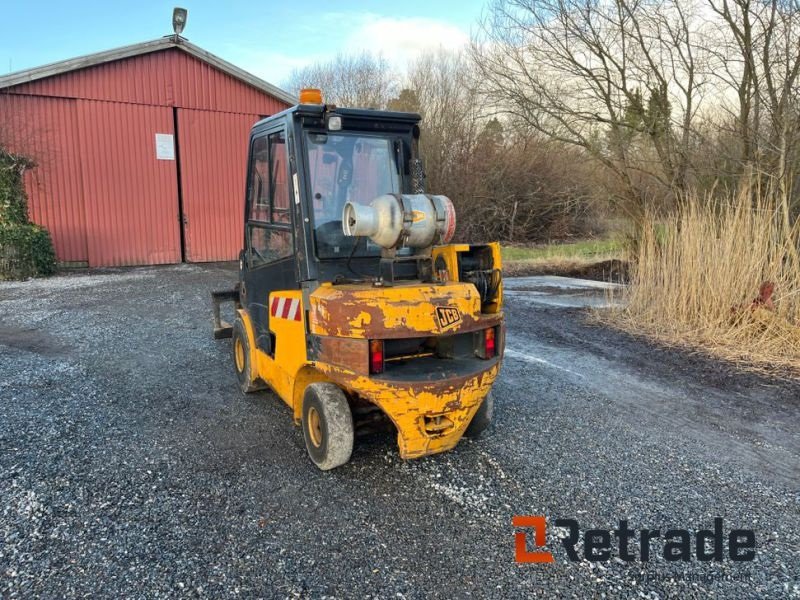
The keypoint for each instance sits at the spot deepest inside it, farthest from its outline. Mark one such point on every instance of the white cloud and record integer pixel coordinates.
(398, 40)
(402, 39)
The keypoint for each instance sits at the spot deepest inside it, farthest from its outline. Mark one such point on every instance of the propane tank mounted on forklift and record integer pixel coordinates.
(352, 305)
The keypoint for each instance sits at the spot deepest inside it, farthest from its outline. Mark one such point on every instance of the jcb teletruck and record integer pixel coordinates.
(351, 305)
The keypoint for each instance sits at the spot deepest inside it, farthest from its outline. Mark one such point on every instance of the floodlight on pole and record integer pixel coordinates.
(179, 16)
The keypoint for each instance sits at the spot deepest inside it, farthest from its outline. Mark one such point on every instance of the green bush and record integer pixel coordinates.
(25, 251)
(13, 200)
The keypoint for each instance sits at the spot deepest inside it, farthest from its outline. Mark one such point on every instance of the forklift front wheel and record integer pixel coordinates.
(327, 425)
(482, 418)
(241, 358)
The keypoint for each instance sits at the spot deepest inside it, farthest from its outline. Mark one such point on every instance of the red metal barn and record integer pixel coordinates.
(140, 151)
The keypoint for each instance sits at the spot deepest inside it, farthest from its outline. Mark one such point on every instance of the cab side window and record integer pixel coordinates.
(269, 235)
(259, 181)
(280, 182)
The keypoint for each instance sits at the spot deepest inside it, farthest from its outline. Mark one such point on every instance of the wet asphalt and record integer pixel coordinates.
(130, 465)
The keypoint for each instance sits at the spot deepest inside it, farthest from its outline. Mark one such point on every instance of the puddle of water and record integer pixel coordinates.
(574, 302)
(530, 358)
(564, 296)
(555, 281)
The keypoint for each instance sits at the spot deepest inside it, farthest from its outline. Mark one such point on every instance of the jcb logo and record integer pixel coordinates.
(447, 316)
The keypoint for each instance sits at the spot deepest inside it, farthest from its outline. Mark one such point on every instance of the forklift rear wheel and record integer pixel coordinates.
(241, 358)
(482, 418)
(327, 425)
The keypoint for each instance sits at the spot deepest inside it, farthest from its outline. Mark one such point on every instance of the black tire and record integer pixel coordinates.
(327, 425)
(482, 418)
(240, 351)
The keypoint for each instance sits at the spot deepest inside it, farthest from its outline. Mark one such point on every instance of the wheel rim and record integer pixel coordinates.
(314, 427)
(238, 353)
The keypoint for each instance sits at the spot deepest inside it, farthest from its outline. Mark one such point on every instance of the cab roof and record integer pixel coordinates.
(360, 114)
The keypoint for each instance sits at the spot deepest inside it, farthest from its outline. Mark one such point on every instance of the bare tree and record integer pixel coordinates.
(441, 85)
(360, 80)
(761, 60)
(507, 181)
(619, 80)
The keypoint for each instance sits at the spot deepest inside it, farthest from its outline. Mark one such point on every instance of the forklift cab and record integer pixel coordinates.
(300, 175)
(351, 304)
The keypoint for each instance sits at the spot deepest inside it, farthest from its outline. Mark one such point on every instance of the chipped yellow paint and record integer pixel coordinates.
(408, 403)
(403, 310)
(364, 319)
(449, 254)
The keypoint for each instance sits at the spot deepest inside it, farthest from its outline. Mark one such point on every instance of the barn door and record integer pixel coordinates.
(129, 183)
(212, 150)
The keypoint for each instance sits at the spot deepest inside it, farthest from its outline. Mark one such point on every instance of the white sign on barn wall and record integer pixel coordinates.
(165, 146)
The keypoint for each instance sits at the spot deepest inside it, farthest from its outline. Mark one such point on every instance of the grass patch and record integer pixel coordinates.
(561, 258)
(585, 249)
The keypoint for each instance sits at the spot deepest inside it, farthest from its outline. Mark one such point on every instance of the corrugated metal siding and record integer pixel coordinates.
(164, 78)
(46, 129)
(213, 154)
(131, 198)
(99, 188)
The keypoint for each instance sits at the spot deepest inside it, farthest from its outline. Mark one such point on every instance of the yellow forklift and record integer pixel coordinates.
(352, 305)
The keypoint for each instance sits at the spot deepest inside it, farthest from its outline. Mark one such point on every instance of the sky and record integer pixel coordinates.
(267, 38)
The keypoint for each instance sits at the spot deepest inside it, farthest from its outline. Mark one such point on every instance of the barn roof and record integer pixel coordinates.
(172, 41)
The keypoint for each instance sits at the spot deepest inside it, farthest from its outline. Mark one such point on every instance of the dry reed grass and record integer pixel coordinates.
(696, 274)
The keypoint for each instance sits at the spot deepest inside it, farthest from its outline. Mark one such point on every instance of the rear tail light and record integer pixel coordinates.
(375, 357)
(488, 343)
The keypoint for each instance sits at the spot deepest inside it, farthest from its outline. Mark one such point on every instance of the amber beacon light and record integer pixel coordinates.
(310, 96)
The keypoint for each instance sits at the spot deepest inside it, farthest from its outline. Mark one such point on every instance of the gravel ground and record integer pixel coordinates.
(130, 464)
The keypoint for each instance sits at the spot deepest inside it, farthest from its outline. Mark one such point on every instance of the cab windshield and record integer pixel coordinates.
(347, 167)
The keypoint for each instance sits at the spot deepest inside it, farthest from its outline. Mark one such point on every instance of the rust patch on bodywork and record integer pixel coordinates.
(453, 405)
(369, 312)
(409, 402)
(349, 353)
(431, 399)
